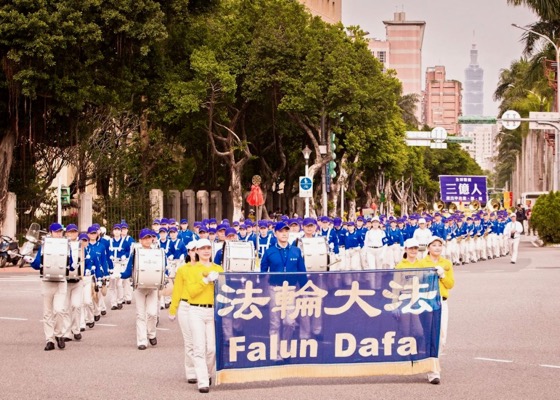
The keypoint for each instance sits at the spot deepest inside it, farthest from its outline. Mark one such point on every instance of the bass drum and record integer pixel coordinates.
(239, 257)
(149, 269)
(55, 259)
(315, 253)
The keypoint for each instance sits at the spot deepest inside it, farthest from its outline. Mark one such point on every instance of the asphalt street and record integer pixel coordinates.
(503, 344)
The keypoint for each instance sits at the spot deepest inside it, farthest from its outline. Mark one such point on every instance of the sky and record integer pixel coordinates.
(449, 33)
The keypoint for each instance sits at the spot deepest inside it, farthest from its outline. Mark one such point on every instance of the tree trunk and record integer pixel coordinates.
(7, 146)
(236, 191)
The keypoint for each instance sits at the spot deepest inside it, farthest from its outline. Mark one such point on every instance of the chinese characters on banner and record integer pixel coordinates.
(462, 188)
(334, 324)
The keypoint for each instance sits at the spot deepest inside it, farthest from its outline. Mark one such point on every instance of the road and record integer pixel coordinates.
(503, 344)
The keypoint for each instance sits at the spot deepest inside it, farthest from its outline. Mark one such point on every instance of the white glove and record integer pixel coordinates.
(182, 258)
(213, 276)
(88, 272)
(112, 258)
(172, 317)
(28, 259)
(441, 272)
(331, 246)
(123, 258)
(205, 280)
(170, 258)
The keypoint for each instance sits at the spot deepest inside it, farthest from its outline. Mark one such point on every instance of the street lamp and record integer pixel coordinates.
(557, 134)
(306, 153)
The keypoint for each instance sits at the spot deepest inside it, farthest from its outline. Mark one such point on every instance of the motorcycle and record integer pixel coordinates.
(33, 242)
(9, 251)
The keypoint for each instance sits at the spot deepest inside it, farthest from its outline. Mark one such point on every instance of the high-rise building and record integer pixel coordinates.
(474, 81)
(402, 51)
(442, 100)
(329, 10)
(484, 147)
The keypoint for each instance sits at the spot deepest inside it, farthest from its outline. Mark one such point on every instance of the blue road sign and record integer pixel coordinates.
(306, 183)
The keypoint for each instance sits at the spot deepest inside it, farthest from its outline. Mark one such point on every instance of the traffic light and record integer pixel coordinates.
(65, 195)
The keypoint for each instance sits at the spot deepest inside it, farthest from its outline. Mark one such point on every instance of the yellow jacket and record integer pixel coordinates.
(179, 288)
(448, 281)
(199, 292)
(406, 264)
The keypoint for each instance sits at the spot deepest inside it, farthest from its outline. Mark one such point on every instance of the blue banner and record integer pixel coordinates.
(333, 324)
(463, 188)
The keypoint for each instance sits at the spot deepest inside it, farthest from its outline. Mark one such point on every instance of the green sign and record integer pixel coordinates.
(476, 119)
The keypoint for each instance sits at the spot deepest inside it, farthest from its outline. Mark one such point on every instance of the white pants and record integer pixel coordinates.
(513, 247)
(442, 335)
(73, 309)
(115, 291)
(146, 315)
(54, 301)
(374, 261)
(87, 306)
(127, 289)
(201, 322)
(504, 245)
(393, 255)
(183, 317)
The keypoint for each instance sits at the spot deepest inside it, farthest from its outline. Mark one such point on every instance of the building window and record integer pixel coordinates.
(382, 56)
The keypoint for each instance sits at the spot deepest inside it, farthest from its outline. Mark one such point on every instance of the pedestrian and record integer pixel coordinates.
(512, 232)
(179, 309)
(200, 316)
(146, 299)
(444, 269)
(521, 216)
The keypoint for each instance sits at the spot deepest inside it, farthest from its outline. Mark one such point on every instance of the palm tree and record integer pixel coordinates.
(547, 10)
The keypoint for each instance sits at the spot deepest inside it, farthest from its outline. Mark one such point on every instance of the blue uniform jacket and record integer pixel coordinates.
(353, 240)
(394, 236)
(287, 259)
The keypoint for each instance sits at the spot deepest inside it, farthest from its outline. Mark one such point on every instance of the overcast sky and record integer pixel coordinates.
(449, 33)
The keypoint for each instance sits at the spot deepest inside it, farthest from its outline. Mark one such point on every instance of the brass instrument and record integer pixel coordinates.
(475, 205)
(493, 205)
(452, 207)
(438, 205)
(421, 207)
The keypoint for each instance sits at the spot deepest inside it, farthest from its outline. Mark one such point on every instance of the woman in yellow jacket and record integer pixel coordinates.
(444, 269)
(200, 296)
(410, 257)
(179, 309)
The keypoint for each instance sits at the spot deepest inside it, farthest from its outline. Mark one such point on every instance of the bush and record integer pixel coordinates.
(545, 218)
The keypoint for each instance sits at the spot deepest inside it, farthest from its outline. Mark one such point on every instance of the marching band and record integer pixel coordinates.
(79, 270)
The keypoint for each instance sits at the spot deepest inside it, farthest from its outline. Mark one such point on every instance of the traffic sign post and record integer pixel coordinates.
(305, 187)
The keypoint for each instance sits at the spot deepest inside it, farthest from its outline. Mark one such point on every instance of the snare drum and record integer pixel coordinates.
(315, 253)
(55, 259)
(149, 269)
(239, 257)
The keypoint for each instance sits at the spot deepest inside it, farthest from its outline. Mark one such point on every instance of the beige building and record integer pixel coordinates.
(484, 147)
(402, 51)
(442, 100)
(329, 10)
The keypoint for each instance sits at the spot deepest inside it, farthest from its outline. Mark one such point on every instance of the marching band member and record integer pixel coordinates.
(444, 269)
(97, 251)
(353, 243)
(282, 257)
(185, 234)
(422, 234)
(480, 248)
(116, 251)
(332, 240)
(230, 235)
(179, 309)
(471, 247)
(265, 239)
(74, 292)
(54, 296)
(512, 231)
(128, 243)
(200, 296)
(395, 243)
(146, 299)
(375, 244)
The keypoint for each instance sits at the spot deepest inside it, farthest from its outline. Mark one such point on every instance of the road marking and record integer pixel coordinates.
(14, 319)
(104, 324)
(493, 359)
(549, 366)
(163, 329)
(495, 270)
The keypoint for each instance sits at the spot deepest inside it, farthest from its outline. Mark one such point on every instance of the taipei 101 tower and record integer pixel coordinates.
(473, 100)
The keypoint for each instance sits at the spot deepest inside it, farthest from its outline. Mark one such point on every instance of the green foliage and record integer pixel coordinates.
(545, 217)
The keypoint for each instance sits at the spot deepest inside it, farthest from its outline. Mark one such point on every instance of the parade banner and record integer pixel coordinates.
(463, 188)
(332, 324)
